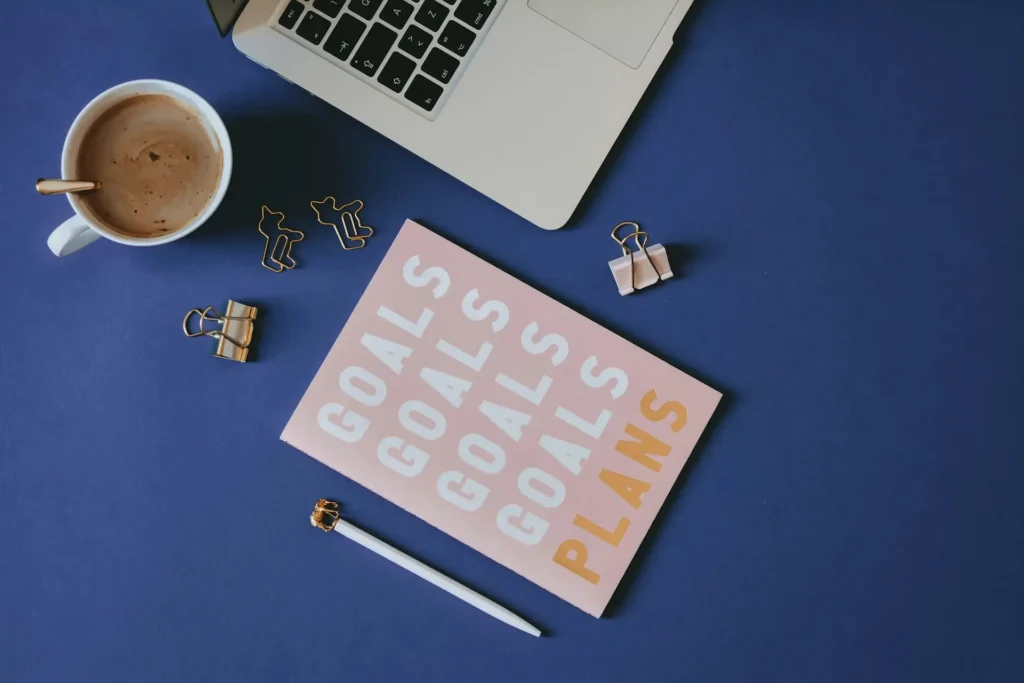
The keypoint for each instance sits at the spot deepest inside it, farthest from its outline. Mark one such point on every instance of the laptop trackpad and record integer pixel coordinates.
(625, 29)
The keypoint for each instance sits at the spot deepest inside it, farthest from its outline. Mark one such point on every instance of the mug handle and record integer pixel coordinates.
(72, 235)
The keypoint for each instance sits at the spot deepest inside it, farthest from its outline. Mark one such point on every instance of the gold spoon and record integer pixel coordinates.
(58, 186)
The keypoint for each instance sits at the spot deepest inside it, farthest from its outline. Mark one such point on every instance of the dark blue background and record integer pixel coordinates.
(842, 186)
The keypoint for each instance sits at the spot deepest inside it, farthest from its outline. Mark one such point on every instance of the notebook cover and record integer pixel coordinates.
(502, 417)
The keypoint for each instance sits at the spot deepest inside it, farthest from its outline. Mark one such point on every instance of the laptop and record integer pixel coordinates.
(519, 99)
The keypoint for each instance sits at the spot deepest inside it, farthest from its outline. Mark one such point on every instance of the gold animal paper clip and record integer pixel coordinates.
(233, 332)
(277, 253)
(641, 266)
(355, 232)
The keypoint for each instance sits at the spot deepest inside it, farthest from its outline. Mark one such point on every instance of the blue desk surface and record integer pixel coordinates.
(843, 188)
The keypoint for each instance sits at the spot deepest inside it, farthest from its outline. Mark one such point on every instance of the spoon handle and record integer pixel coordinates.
(58, 186)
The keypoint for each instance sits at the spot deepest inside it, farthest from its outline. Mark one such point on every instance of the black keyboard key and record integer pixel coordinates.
(432, 15)
(374, 49)
(456, 38)
(364, 8)
(424, 92)
(475, 12)
(440, 65)
(397, 13)
(291, 14)
(313, 27)
(450, 2)
(415, 41)
(329, 7)
(396, 72)
(344, 37)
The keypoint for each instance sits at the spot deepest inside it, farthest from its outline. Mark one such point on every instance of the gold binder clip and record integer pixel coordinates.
(277, 252)
(355, 232)
(641, 266)
(324, 508)
(234, 331)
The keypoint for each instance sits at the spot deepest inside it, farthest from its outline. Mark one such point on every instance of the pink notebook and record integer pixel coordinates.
(502, 417)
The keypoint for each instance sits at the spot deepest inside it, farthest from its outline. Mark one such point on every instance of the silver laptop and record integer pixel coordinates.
(519, 99)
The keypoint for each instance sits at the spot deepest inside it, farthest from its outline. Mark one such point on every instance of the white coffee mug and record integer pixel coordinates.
(83, 228)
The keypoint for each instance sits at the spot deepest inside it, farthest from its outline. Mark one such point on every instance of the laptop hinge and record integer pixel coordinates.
(225, 13)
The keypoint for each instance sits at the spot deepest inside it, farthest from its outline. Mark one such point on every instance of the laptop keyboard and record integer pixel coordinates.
(411, 50)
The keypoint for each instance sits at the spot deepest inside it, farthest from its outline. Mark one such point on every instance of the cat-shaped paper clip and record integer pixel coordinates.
(355, 233)
(277, 253)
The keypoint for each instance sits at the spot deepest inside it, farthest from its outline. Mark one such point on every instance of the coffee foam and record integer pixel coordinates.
(158, 165)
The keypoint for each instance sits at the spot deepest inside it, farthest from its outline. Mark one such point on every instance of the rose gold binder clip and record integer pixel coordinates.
(355, 233)
(277, 252)
(641, 266)
(233, 332)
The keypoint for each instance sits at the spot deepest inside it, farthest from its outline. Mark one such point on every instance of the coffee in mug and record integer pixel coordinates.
(162, 157)
(157, 165)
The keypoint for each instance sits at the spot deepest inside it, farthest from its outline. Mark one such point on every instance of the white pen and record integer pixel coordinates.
(325, 516)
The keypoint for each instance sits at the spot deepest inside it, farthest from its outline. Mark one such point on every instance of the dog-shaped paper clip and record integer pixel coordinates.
(277, 253)
(355, 233)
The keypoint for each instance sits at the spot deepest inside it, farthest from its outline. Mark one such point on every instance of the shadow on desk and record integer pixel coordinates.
(275, 164)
